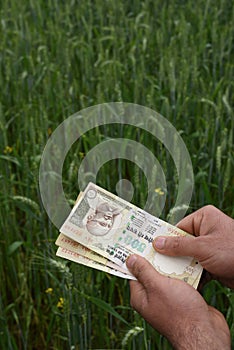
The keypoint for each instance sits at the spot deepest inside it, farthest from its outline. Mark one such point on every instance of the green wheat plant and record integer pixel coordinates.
(57, 58)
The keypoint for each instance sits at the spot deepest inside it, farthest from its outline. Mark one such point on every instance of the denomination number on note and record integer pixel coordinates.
(135, 243)
(189, 270)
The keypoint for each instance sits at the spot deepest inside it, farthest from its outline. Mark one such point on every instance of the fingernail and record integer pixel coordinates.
(131, 261)
(159, 242)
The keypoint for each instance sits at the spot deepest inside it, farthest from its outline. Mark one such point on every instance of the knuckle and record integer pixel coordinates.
(139, 267)
(176, 243)
(209, 209)
(150, 286)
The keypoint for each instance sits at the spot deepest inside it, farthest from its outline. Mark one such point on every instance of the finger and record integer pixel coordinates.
(145, 273)
(140, 289)
(180, 246)
(201, 221)
(192, 223)
(138, 293)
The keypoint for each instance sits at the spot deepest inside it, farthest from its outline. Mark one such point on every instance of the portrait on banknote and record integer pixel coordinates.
(97, 215)
(101, 220)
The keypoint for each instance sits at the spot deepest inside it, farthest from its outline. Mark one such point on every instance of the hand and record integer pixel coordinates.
(213, 245)
(176, 309)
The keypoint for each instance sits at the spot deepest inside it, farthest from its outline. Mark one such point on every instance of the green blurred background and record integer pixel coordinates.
(57, 58)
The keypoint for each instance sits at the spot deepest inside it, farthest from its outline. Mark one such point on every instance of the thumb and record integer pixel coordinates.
(180, 246)
(145, 273)
(149, 282)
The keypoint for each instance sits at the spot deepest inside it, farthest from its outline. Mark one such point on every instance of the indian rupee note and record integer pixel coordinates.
(77, 258)
(73, 246)
(115, 229)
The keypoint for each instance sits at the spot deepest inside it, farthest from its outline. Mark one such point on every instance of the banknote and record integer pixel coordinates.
(100, 262)
(75, 257)
(196, 282)
(75, 247)
(115, 229)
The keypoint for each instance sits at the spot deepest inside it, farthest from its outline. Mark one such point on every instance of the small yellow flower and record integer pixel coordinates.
(159, 191)
(60, 303)
(8, 150)
(49, 131)
(49, 291)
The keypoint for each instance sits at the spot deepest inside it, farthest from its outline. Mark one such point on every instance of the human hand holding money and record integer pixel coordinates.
(112, 229)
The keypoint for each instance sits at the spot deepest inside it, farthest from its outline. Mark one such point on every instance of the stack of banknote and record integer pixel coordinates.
(102, 230)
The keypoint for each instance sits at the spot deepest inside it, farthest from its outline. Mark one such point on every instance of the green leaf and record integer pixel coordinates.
(10, 159)
(13, 247)
(105, 306)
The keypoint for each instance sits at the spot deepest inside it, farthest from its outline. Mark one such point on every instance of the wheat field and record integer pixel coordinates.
(57, 58)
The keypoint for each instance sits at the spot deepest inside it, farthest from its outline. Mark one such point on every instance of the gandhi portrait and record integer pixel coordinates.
(101, 221)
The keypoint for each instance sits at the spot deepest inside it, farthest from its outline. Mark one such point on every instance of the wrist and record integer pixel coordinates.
(198, 336)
